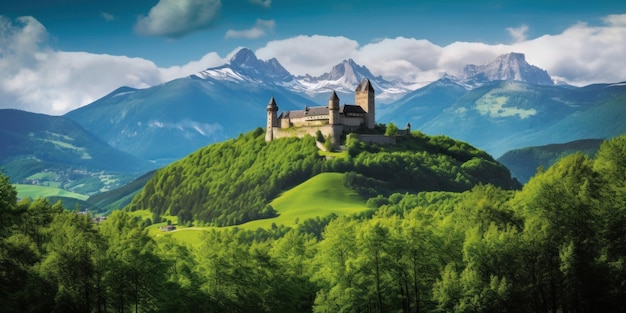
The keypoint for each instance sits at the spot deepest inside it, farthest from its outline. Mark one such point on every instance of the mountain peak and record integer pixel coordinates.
(510, 66)
(348, 71)
(244, 58)
(245, 65)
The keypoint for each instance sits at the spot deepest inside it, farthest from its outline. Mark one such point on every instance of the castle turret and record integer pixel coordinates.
(333, 117)
(333, 109)
(364, 97)
(272, 122)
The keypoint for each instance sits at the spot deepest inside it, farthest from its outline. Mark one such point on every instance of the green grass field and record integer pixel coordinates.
(319, 196)
(34, 191)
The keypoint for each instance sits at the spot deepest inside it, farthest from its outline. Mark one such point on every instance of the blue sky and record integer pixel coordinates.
(56, 55)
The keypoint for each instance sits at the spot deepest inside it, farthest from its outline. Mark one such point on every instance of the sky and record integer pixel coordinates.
(59, 55)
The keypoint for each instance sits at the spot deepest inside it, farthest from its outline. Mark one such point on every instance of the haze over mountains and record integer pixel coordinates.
(498, 106)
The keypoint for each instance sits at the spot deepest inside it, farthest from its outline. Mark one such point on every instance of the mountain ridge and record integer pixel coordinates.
(510, 66)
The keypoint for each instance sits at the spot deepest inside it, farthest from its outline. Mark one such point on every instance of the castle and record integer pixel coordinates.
(332, 121)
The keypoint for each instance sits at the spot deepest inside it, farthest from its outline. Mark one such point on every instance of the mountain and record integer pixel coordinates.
(507, 115)
(233, 182)
(422, 105)
(511, 66)
(244, 65)
(509, 104)
(55, 151)
(343, 78)
(166, 122)
(500, 106)
(524, 162)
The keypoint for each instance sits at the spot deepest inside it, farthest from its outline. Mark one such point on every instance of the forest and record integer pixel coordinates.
(232, 182)
(556, 245)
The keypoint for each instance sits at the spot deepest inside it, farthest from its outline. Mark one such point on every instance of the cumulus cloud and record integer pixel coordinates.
(260, 29)
(309, 54)
(37, 78)
(518, 33)
(580, 55)
(262, 3)
(177, 18)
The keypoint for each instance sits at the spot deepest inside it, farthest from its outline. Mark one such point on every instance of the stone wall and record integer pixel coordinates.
(376, 139)
(302, 131)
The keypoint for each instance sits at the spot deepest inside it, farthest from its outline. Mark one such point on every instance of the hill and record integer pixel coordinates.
(234, 182)
(319, 196)
(499, 116)
(524, 162)
(322, 195)
(57, 152)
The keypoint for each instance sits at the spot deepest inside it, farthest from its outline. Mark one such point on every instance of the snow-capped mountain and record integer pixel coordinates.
(511, 66)
(244, 65)
(344, 77)
(484, 106)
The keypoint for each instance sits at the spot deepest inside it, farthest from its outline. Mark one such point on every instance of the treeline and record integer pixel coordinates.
(558, 245)
(233, 182)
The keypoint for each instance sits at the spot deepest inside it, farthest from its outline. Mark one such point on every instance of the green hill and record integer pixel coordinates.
(319, 196)
(107, 201)
(524, 162)
(235, 182)
(33, 192)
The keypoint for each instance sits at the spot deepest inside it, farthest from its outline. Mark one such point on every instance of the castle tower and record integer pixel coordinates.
(333, 117)
(364, 97)
(272, 122)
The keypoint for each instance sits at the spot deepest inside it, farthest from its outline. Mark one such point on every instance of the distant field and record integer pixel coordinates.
(319, 196)
(33, 191)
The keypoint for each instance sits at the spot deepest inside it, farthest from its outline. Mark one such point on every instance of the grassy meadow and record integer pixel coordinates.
(34, 191)
(321, 196)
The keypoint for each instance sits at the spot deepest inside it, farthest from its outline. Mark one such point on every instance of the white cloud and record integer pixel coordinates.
(262, 3)
(210, 59)
(518, 33)
(580, 55)
(309, 54)
(260, 29)
(35, 78)
(615, 20)
(176, 18)
(107, 16)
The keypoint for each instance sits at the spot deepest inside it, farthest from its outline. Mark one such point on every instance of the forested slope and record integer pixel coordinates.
(557, 245)
(525, 162)
(233, 182)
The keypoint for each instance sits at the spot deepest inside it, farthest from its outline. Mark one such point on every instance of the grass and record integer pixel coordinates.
(34, 191)
(50, 176)
(331, 154)
(319, 196)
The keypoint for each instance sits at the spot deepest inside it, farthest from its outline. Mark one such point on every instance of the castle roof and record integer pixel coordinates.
(334, 96)
(272, 105)
(365, 85)
(347, 109)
